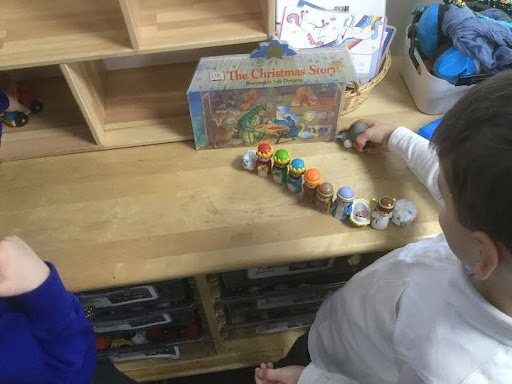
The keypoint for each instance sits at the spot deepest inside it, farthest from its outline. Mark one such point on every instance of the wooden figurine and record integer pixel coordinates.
(323, 201)
(312, 179)
(383, 213)
(295, 175)
(280, 167)
(264, 161)
(343, 204)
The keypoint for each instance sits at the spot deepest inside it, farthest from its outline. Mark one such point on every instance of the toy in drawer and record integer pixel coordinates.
(115, 321)
(159, 342)
(169, 291)
(304, 295)
(266, 279)
(270, 326)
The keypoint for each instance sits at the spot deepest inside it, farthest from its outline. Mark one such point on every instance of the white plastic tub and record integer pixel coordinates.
(431, 94)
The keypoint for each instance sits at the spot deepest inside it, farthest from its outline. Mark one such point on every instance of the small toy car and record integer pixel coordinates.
(14, 119)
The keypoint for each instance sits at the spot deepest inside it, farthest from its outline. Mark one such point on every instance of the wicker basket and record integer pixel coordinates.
(358, 95)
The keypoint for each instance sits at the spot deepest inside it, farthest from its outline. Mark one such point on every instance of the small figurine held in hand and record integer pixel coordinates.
(349, 136)
(264, 161)
(295, 175)
(343, 204)
(383, 213)
(312, 179)
(280, 168)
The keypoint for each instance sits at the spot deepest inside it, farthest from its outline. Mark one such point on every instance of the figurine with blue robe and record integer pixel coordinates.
(343, 205)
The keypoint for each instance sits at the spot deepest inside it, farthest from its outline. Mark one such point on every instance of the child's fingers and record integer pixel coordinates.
(258, 376)
(270, 365)
(276, 375)
(362, 139)
(263, 366)
(368, 122)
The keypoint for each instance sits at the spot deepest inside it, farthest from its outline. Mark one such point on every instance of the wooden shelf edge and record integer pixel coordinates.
(122, 51)
(147, 132)
(186, 45)
(50, 146)
(88, 100)
(128, 10)
(129, 134)
(242, 353)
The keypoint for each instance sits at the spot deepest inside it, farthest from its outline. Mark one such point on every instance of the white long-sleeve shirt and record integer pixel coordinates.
(413, 317)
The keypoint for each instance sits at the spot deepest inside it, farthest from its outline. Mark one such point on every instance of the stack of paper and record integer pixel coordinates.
(361, 26)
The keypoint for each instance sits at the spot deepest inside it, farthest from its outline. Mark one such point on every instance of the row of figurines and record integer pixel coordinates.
(292, 173)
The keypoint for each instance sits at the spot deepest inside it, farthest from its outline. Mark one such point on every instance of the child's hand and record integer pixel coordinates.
(14, 104)
(21, 270)
(9, 87)
(260, 373)
(266, 374)
(378, 133)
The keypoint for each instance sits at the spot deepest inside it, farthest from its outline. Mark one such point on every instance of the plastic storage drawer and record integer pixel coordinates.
(170, 291)
(133, 320)
(155, 342)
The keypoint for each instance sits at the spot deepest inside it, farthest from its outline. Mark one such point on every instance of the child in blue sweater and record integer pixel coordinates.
(44, 335)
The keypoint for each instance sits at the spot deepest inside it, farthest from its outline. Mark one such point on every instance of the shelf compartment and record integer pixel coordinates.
(148, 105)
(135, 106)
(41, 32)
(183, 24)
(58, 129)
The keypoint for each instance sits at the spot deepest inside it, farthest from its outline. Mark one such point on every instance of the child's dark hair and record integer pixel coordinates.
(474, 142)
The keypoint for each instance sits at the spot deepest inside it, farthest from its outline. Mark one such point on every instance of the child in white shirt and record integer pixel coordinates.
(438, 311)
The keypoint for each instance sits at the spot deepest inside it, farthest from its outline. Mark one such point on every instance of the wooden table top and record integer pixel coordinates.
(151, 213)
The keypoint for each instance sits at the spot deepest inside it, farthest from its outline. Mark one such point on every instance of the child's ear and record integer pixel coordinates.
(489, 255)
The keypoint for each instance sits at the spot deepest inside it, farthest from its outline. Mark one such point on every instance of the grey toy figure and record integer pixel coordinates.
(349, 136)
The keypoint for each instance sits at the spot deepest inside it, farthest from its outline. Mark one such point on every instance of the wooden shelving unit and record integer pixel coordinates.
(181, 24)
(90, 105)
(44, 32)
(61, 128)
(125, 107)
(134, 106)
(217, 355)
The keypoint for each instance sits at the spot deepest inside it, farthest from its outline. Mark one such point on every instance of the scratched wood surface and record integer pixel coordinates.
(43, 32)
(149, 213)
(39, 32)
(182, 23)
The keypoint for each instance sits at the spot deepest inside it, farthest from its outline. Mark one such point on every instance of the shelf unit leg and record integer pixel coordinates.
(87, 81)
(129, 8)
(3, 32)
(208, 301)
(269, 16)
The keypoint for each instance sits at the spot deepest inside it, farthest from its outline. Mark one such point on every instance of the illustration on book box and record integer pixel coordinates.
(273, 95)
